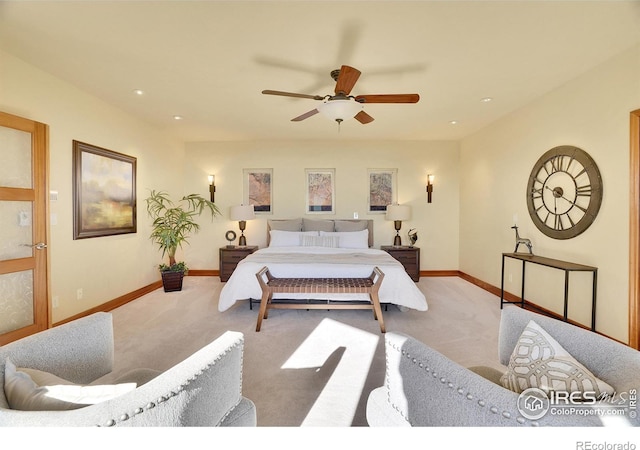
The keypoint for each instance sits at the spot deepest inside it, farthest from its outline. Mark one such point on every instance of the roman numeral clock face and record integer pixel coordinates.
(564, 192)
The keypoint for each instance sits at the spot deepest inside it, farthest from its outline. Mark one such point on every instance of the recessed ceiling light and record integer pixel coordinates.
(177, 117)
(486, 100)
(454, 122)
(138, 91)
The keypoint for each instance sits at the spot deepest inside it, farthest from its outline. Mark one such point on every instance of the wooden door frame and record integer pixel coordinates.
(634, 231)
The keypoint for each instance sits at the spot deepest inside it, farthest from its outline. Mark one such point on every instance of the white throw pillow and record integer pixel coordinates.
(279, 238)
(350, 239)
(24, 394)
(539, 361)
(42, 378)
(320, 241)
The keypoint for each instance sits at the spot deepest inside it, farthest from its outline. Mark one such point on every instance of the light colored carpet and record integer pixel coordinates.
(305, 368)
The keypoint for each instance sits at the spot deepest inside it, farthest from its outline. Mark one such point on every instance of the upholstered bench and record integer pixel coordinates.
(271, 285)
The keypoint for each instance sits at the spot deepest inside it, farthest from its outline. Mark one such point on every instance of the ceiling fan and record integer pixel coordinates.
(341, 105)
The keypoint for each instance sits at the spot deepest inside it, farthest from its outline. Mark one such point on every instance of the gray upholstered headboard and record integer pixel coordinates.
(304, 224)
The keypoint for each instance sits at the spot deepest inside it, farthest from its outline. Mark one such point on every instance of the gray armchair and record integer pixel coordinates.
(203, 390)
(424, 388)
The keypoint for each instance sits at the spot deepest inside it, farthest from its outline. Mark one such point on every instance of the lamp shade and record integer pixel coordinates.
(340, 110)
(398, 212)
(242, 212)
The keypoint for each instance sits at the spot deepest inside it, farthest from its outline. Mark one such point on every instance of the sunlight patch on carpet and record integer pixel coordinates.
(336, 405)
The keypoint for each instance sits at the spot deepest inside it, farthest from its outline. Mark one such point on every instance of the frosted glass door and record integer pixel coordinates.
(23, 261)
(16, 238)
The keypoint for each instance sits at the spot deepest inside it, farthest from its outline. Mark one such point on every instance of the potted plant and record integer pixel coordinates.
(173, 224)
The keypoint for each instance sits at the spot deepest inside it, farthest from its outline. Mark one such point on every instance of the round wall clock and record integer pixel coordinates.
(564, 192)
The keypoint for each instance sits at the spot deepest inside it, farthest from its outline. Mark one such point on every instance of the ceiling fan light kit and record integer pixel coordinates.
(342, 106)
(340, 110)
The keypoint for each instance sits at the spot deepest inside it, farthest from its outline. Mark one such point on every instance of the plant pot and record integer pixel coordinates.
(172, 281)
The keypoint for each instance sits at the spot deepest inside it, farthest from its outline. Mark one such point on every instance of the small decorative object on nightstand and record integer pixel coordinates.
(230, 236)
(413, 236)
(230, 257)
(409, 257)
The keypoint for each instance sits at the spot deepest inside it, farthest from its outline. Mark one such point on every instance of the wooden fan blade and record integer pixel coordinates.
(306, 115)
(388, 98)
(292, 94)
(346, 80)
(363, 118)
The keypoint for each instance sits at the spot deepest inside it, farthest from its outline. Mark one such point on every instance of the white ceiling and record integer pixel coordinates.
(208, 61)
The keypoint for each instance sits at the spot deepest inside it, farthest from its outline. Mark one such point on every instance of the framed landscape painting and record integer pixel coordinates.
(104, 192)
(382, 189)
(258, 190)
(320, 191)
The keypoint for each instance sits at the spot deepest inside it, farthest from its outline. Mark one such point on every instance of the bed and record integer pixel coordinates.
(322, 248)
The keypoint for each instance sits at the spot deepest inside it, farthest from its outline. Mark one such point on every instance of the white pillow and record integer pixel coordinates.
(42, 378)
(279, 238)
(24, 394)
(320, 241)
(539, 361)
(350, 239)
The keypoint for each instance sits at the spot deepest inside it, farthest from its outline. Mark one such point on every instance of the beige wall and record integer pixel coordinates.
(106, 267)
(591, 112)
(479, 190)
(437, 223)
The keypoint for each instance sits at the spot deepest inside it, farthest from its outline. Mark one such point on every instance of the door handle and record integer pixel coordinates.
(38, 246)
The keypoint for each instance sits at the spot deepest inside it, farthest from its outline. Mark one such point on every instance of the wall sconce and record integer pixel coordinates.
(212, 186)
(398, 213)
(242, 213)
(430, 178)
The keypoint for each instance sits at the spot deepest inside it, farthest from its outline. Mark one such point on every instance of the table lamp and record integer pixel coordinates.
(242, 213)
(398, 213)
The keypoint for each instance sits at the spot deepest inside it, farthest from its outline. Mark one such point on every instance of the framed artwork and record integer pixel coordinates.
(258, 190)
(382, 189)
(104, 192)
(320, 191)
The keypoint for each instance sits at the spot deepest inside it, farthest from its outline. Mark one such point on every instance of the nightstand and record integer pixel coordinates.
(409, 257)
(230, 257)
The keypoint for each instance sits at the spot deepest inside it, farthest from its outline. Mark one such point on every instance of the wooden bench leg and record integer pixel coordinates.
(377, 311)
(266, 298)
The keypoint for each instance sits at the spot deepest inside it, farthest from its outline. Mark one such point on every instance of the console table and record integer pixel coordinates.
(556, 264)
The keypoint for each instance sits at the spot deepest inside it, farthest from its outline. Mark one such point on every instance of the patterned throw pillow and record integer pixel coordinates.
(539, 361)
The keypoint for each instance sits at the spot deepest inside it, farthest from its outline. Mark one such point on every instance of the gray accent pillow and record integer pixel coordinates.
(317, 225)
(286, 225)
(348, 225)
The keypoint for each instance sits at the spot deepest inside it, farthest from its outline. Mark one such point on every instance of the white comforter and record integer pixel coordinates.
(294, 262)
